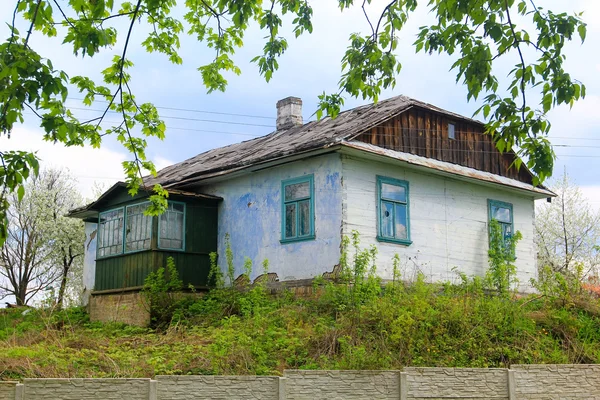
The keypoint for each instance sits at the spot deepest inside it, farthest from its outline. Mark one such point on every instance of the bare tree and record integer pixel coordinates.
(568, 232)
(44, 246)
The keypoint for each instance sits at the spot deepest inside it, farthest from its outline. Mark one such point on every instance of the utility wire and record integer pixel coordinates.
(181, 118)
(193, 110)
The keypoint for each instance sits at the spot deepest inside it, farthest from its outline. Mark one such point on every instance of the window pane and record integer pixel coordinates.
(387, 219)
(297, 191)
(171, 227)
(501, 214)
(451, 133)
(304, 217)
(401, 228)
(178, 227)
(164, 225)
(506, 231)
(393, 192)
(290, 220)
(139, 228)
(110, 234)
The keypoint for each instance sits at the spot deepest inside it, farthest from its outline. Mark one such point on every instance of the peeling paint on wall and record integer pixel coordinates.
(251, 214)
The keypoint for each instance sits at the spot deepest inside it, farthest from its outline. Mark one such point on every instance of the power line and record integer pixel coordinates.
(187, 129)
(195, 111)
(181, 118)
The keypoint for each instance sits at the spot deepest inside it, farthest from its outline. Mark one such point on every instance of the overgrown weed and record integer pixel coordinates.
(353, 322)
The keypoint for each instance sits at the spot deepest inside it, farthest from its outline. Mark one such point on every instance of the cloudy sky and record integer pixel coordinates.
(309, 67)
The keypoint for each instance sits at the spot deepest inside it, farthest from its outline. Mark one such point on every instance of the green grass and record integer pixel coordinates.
(341, 327)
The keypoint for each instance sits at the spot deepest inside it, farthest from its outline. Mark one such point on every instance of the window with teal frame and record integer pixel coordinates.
(110, 232)
(171, 227)
(503, 213)
(393, 211)
(297, 209)
(138, 228)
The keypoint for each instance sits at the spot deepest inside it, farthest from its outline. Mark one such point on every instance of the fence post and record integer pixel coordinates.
(19, 390)
(403, 385)
(511, 385)
(152, 390)
(281, 388)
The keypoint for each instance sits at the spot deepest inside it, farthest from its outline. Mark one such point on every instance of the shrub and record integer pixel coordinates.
(159, 292)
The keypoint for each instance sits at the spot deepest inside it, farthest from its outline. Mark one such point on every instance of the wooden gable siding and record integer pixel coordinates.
(425, 133)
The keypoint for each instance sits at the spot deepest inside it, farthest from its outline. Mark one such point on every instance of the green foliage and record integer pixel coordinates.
(502, 272)
(215, 275)
(479, 33)
(160, 291)
(229, 259)
(559, 285)
(416, 324)
(357, 282)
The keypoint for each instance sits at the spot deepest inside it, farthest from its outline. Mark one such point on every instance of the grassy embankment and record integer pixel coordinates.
(348, 326)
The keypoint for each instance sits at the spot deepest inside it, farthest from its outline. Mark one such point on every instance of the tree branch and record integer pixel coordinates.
(120, 89)
(523, 67)
(367, 17)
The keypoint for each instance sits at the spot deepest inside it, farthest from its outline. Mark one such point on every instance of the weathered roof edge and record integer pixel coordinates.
(449, 168)
(83, 212)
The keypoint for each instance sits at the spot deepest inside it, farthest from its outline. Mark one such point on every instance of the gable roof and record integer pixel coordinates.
(310, 136)
(314, 135)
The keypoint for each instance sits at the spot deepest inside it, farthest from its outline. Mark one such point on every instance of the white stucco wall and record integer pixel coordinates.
(89, 261)
(251, 214)
(448, 222)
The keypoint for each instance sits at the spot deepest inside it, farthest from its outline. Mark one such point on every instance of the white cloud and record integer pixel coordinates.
(86, 164)
(161, 162)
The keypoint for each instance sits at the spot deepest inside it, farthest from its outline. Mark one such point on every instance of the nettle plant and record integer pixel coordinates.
(477, 34)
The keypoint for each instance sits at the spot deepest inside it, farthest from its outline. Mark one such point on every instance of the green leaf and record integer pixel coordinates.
(21, 192)
(582, 30)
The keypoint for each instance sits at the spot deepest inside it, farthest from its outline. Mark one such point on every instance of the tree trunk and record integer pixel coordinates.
(63, 287)
(21, 294)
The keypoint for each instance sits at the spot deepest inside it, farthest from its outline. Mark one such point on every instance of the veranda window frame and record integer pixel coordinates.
(100, 233)
(125, 251)
(183, 235)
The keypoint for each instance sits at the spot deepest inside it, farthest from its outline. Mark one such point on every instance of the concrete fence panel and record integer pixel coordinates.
(8, 390)
(522, 382)
(557, 382)
(342, 385)
(217, 387)
(456, 383)
(86, 389)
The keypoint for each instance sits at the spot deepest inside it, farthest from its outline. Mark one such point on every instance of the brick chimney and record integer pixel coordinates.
(289, 113)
